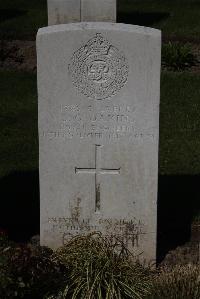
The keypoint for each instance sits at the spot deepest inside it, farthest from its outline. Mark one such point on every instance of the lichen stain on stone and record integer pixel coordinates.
(97, 197)
(76, 211)
(57, 14)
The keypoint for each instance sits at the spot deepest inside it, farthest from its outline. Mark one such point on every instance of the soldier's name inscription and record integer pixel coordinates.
(103, 121)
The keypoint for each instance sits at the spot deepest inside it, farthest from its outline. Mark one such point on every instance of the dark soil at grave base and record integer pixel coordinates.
(18, 55)
(182, 255)
(21, 55)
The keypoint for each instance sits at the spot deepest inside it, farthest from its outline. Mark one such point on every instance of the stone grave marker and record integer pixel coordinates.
(71, 11)
(63, 11)
(98, 10)
(98, 86)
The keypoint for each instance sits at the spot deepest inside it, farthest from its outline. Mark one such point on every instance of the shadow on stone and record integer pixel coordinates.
(178, 202)
(141, 18)
(19, 213)
(6, 14)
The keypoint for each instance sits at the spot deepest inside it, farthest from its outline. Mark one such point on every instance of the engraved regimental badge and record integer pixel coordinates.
(98, 69)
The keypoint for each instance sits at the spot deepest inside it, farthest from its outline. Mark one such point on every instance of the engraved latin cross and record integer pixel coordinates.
(97, 170)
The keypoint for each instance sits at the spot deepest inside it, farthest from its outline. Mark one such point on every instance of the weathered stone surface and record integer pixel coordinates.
(98, 86)
(71, 11)
(98, 10)
(64, 11)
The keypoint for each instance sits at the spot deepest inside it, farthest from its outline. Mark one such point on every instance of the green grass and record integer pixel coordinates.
(182, 17)
(18, 122)
(179, 123)
(177, 282)
(183, 20)
(24, 26)
(99, 269)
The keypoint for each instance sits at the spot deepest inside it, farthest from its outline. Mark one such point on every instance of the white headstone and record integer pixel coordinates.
(64, 11)
(98, 87)
(71, 11)
(98, 10)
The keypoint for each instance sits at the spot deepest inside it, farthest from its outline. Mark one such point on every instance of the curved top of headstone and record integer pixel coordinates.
(99, 25)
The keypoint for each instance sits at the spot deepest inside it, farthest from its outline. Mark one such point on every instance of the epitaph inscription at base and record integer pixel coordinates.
(98, 87)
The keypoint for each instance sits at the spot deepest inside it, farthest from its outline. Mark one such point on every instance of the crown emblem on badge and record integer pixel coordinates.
(98, 69)
(98, 45)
